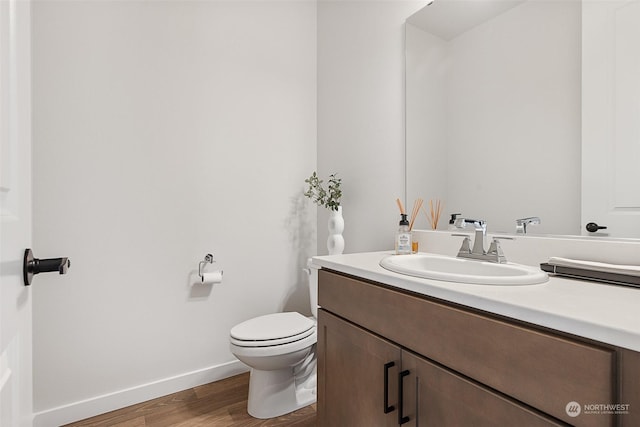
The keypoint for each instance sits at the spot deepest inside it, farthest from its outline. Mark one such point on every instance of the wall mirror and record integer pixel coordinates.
(521, 108)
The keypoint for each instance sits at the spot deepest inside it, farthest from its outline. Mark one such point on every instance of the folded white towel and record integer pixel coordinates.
(632, 270)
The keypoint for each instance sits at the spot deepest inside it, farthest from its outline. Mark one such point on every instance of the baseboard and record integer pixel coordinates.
(99, 405)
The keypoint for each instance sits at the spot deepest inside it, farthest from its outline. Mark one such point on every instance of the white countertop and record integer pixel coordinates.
(605, 313)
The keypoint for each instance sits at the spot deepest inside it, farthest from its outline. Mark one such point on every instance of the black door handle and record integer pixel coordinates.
(401, 418)
(387, 408)
(592, 227)
(32, 266)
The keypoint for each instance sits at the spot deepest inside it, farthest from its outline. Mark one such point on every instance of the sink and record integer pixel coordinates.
(450, 269)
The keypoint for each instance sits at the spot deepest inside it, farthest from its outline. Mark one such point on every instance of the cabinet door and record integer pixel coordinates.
(437, 397)
(352, 366)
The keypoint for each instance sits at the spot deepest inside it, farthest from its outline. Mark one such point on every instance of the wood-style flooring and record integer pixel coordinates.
(219, 404)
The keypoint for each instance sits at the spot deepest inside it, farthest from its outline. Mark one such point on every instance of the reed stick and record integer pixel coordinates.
(433, 216)
(414, 213)
(400, 206)
(438, 212)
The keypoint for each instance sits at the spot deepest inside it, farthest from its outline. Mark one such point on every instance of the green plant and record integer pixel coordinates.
(329, 198)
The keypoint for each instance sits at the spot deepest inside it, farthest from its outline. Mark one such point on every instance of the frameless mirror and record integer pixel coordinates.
(499, 97)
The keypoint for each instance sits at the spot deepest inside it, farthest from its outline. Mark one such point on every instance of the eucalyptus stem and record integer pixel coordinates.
(329, 198)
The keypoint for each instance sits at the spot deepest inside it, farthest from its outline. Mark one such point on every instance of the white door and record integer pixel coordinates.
(611, 116)
(15, 204)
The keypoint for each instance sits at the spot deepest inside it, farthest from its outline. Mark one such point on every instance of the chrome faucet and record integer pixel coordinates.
(521, 224)
(494, 254)
(481, 231)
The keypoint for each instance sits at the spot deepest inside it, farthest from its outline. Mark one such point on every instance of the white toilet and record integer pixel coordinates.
(280, 349)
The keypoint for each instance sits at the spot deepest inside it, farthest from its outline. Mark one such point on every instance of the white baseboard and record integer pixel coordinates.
(108, 402)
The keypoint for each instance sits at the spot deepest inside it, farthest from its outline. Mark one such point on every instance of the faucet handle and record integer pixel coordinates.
(466, 243)
(521, 224)
(495, 250)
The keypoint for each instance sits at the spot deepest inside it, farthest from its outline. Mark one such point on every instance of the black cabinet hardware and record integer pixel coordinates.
(387, 408)
(401, 418)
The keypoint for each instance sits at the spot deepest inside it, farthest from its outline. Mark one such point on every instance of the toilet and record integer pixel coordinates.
(280, 349)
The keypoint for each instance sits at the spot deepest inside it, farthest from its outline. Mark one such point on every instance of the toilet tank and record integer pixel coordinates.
(313, 286)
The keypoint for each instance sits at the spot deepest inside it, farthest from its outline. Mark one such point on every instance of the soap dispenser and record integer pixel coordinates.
(452, 222)
(403, 237)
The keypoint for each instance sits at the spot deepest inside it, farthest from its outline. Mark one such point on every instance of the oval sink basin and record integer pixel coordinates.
(460, 270)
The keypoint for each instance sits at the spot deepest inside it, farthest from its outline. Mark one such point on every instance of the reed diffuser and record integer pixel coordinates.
(417, 205)
(433, 216)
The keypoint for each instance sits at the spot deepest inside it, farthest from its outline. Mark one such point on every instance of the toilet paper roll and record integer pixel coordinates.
(211, 278)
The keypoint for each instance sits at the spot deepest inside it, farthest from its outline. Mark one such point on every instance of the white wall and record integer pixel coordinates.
(163, 131)
(426, 120)
(512, 119)
(361, 115)
(527, 134)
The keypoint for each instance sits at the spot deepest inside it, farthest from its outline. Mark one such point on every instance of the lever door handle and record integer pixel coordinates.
(592, 227)
(32, 266)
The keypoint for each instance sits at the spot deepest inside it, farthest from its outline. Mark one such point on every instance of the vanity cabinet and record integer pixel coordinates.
(365, 380)
(447, 365)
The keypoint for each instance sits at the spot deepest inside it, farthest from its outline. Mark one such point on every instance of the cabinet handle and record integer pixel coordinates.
(401, 418)
(387, 408)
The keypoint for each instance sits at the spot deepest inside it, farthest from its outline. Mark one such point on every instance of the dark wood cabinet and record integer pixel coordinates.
(436, 396)
(461, 366)
(353, 390)
(352, 365)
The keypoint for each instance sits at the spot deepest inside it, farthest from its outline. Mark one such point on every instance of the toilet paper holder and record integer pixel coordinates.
(208, 259)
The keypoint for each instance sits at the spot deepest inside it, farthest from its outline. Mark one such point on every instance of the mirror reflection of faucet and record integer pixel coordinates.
(521, 224)
(477, 252)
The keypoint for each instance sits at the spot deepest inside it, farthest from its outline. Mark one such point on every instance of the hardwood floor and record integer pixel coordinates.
(219, 404)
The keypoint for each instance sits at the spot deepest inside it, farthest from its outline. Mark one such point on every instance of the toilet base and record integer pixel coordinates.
(275, 393)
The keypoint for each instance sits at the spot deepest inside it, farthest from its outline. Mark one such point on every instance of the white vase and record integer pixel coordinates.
(335, 241)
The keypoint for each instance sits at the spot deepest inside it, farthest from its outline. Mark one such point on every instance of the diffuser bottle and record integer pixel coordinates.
(403, 237)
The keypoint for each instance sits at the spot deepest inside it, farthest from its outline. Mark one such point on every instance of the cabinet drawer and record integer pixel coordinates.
(535, 367)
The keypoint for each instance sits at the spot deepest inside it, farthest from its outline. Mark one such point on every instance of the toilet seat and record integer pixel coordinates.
(279, 350)
(272, 330)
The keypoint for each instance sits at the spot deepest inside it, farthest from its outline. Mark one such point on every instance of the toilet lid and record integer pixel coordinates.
(272, 327)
